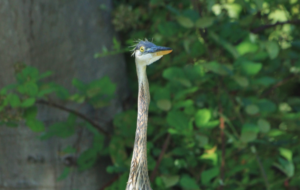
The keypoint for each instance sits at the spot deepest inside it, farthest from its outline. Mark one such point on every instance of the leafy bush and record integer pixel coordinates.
(226, 98)
(225, 108)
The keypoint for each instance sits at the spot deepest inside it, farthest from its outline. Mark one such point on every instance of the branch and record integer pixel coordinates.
(262, 170)
(163, 150)
(82, 116)
(110, 182)
(287, 79)
(222, 169)
(264, 27)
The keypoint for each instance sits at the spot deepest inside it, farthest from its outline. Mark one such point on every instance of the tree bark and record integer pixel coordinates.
(61, 36)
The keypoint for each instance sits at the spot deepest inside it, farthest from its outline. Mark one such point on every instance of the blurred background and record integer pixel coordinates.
(225, 105)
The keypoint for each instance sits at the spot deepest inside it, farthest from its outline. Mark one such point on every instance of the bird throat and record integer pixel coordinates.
(138, 176)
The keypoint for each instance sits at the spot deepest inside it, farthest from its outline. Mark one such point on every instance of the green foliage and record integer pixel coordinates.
(18, 102)
(231, 83)
(228, 95)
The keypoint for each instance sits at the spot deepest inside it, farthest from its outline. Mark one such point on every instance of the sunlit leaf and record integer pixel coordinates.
(202, 117)
(246, 47)
(250, 68)
(286, 153)
(272, 49)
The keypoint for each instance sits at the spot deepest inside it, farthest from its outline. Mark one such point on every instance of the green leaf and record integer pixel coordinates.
(28, 102)
(98, 142)
(177, 120)
(79, 85)
(31, 89)
(62, 129)
(272, 49)
(64, 174)
(69, 150)
(188, 183)
(204, 22)
(287, 167)
(7, 88)
(125, 123)
(30, 72)
(242, 81)
(183, 93)
(170, 181)
(250, 127)
(61, 92)
(208, 175)
(266, 106)
(202, 117)
(44, 75)
(249, 132)
(77, 98)
(211, 124)
(87, 159)
(218, 68)
(229, 47)
(202, 140)
(246, 47)
(213, 157)
(173, 73)
(185, 21)
(275, 132)
(264, 125)
(35, 125)
(252, 109)
(164, 104)
(250, 68)
(266, 81)
(248, 136)
(31, 112)
(183, 103)
(14, 100)
(286, 153)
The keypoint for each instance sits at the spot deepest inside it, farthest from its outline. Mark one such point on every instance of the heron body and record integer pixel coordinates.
(145, 54)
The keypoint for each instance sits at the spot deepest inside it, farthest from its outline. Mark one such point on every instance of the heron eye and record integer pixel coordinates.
(142, 49)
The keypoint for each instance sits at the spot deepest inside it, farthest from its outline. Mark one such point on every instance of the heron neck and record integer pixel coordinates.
(143, 81)
(138, 177)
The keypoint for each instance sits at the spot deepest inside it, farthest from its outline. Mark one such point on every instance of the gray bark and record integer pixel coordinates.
(61, 36)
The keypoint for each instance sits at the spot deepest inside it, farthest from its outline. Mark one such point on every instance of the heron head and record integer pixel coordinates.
(146, 52)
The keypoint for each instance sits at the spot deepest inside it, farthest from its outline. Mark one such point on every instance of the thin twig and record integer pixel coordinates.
(262, 170)
(222, 169)
(163, 151)
(287, 79)
(110, 182)
(82, 116)
(264, 27)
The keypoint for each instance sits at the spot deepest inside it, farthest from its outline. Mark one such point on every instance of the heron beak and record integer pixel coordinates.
(159, 51)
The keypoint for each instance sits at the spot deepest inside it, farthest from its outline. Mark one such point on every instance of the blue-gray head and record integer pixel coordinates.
(146, 52)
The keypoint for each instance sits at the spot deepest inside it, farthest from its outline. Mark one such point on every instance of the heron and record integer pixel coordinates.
(145, 53)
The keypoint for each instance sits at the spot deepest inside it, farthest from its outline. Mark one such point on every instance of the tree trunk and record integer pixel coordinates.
(61, 36)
